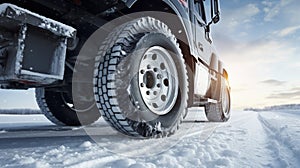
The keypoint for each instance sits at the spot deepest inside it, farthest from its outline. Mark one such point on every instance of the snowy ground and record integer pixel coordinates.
(249, 139)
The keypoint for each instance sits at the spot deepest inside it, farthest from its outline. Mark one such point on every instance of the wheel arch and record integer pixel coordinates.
(214, 63)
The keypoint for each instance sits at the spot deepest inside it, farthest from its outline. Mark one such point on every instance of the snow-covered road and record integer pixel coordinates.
(249, 139)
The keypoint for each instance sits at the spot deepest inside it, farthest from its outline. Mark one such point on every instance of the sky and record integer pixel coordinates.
(259, 42)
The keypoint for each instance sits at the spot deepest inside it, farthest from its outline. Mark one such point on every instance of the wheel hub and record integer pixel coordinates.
(158, 80)
(149, 80)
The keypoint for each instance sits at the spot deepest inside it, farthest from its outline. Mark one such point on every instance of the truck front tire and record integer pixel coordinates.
(220, 111)
(140, 80)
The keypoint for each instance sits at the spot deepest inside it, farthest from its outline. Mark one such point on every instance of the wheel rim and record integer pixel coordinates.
(158, 80)
(225, 103)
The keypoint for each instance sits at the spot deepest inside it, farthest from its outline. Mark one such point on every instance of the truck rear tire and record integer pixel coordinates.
(58, 108)
(140, 80)
(219, 112)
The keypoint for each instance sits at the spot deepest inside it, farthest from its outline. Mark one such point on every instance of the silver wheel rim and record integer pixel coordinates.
(158, 80)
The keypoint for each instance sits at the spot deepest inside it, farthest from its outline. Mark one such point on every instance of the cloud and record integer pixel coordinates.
(295, 89)
(296, 64)
(249, 11)
(273, 9)
(287, 31)
(260, 51)
(235, 17)
(291, 94)
(273, 82)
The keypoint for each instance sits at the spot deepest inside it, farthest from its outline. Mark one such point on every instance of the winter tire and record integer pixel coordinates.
(58, 108)
(140, 80)
(220, 112)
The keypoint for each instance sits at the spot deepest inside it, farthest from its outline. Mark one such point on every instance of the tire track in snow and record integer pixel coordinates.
(137, 148)
(279, 144)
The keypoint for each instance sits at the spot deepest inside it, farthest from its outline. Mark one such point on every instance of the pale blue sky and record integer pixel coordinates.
(259, 42)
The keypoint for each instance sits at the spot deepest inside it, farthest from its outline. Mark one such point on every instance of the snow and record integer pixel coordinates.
(284, 131)
(249, 139)
(285, 107)
(46, 23)
(86, 144)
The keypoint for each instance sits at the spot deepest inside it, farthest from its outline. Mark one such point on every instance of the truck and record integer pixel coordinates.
(138, 64)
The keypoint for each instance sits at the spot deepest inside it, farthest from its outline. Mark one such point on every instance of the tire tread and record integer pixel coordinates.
(118, 43)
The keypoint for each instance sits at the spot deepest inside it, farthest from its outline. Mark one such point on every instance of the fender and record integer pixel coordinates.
(182, 12)
(216, 64)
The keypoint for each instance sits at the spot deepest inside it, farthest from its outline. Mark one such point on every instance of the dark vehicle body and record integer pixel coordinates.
(41, 40)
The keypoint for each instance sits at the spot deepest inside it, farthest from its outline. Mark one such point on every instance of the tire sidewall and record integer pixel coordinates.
(227, 113)
(54, 106)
